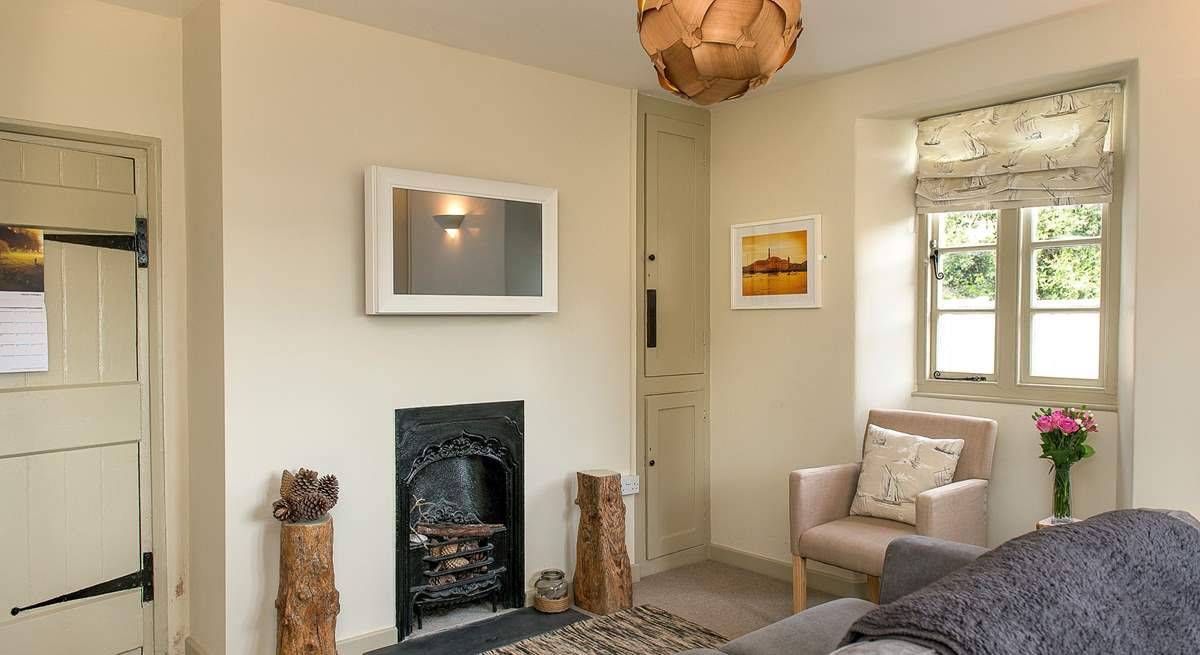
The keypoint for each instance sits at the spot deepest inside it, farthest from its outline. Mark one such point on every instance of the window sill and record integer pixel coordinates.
(1048, 399)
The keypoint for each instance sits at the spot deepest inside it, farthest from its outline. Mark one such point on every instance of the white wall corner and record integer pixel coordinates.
(368, 642)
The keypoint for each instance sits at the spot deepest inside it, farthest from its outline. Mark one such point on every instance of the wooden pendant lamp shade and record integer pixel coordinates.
(713, 50)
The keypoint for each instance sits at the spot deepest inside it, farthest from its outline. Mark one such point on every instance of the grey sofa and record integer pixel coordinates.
(910, 563)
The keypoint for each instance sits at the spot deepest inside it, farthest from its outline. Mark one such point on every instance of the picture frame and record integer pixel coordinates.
(432, 263)
(776, 264)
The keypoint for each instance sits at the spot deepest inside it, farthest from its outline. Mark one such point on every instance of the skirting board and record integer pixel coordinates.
(367, 642)
(352, 646)
(823, 577)
(672, 561)
(191, 647)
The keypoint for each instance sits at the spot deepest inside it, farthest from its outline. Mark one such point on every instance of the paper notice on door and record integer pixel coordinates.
(23, 342)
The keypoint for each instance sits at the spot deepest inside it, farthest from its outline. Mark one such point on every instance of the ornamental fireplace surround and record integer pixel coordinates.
(459, 508)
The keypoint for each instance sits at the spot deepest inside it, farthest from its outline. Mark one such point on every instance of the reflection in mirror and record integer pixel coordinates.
(458, 245)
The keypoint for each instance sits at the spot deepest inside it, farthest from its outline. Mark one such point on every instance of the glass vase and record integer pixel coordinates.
(1062, 493)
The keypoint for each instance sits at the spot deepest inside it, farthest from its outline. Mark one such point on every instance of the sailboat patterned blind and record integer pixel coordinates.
(1033, 153)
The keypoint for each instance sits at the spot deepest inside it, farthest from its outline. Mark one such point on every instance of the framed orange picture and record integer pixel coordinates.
(776, 264)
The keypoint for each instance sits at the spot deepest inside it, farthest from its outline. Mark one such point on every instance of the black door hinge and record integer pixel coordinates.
(143, 578)
(147, 575)
(142, 243)
(137, 243)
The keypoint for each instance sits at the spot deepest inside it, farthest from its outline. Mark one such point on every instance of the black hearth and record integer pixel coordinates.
(459, 508)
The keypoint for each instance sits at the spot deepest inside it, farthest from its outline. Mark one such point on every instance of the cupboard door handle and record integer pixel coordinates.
(651, 462)
(651, 318)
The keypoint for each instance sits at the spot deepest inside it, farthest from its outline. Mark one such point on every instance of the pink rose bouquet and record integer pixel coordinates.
(1064, 436)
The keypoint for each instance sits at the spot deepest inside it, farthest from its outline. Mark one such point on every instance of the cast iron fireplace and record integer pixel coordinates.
(459, 485)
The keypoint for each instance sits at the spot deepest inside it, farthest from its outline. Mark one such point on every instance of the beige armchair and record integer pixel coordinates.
(823, 529)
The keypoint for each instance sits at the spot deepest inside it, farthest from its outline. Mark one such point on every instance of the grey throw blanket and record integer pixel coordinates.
(1122, 582)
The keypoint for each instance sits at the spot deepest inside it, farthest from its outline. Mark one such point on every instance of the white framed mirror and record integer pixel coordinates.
(444, 244)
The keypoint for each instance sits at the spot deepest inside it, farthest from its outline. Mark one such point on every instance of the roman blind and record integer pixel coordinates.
(1046, 151)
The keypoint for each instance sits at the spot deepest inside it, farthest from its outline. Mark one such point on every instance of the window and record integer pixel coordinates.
(1018, 299)
(1019, 304)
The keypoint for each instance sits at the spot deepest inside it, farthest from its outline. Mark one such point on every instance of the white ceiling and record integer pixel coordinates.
(597, 39)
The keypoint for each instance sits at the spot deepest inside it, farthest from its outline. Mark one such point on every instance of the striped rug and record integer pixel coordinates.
(643, 630)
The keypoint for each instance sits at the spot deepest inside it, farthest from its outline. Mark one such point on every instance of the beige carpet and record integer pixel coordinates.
(727, 600)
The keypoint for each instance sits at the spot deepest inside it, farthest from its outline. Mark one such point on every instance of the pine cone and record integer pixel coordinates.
(311, 507)
(447, 549)
(304, 496)
(328, 485)
(281, 510)
(285, 483)
(304, 483)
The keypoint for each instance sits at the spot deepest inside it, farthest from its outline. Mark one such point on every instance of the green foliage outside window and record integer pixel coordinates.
(1062, 274)
(1069, 221)
(976, 228)
(969, 275)
(1069, 273)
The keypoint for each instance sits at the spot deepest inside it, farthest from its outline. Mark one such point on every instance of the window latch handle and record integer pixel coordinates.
(935, 257)
(938, 375)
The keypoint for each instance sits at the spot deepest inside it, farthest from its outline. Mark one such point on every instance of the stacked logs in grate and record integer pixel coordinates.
(468, 542)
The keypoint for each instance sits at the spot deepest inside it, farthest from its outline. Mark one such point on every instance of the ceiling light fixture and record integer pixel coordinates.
(713, 50)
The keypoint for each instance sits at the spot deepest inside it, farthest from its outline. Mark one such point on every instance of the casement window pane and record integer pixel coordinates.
(966, 343)
(1065, 345)
(1067, 222)
(970, 280)
(976, 228)
(1067, 277)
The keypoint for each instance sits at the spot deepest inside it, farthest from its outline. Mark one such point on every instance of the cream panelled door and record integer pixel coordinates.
(676, 473)
(676, 183)
(74, 440)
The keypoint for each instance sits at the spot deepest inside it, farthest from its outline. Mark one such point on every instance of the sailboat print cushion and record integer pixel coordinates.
(897, 467)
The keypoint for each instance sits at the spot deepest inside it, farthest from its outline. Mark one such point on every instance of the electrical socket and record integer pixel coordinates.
(630, 485)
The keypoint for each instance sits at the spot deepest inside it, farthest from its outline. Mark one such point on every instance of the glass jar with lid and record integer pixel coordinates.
(551, 591)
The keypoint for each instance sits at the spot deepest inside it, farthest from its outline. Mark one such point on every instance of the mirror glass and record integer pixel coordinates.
(458, 245)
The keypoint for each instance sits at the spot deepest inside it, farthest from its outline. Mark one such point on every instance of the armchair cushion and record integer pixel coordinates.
(820, 495)
(897, 467)
(858, 543)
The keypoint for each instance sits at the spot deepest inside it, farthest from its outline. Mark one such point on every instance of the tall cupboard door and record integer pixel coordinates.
(676, 246)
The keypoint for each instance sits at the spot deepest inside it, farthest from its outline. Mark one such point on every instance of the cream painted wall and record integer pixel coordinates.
(206, 389)
(884, 233)
(792, 152)
(782, 381)
(307, 101)
(81, 63)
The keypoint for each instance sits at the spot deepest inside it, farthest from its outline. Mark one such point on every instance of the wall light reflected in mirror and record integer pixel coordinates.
(451, 223)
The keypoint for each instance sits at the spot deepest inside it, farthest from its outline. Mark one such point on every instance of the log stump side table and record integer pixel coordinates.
(308, 603)
(603, 578)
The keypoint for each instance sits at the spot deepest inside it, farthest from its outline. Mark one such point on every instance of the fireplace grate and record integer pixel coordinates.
(457, 570)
